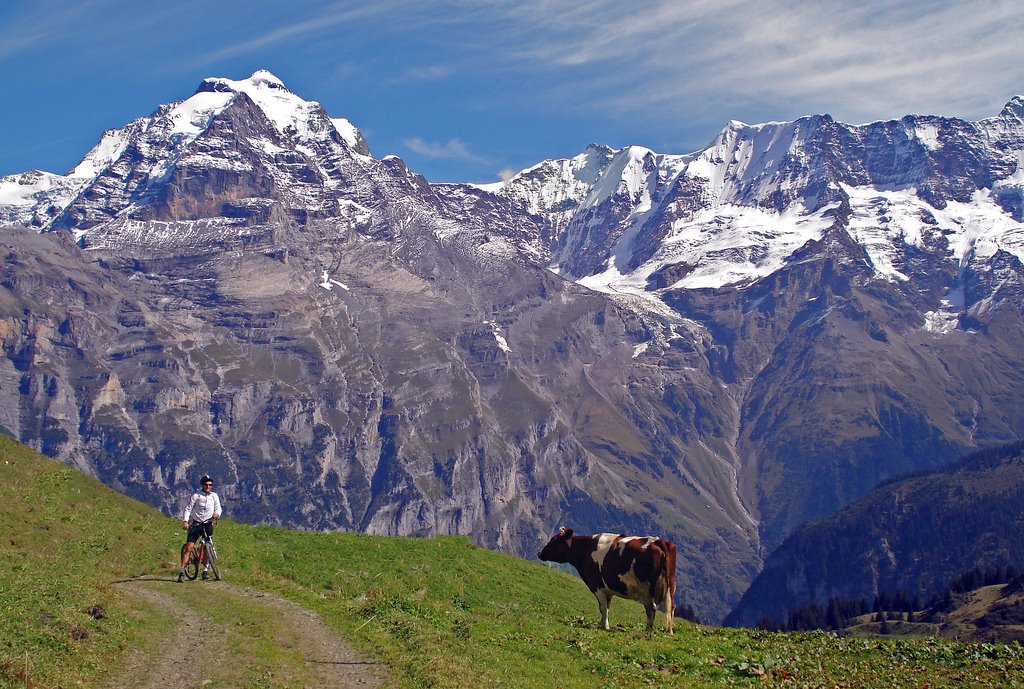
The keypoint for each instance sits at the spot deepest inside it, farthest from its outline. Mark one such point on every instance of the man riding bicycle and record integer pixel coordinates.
(201, 511)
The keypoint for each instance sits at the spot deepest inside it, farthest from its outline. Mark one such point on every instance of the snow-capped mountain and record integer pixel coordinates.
(637, 222)
(252, 135)
(715, 346)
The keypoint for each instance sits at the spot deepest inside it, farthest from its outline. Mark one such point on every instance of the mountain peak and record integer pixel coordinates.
(288, 111)
(261, 78)
(1013, 108)
(267, 78)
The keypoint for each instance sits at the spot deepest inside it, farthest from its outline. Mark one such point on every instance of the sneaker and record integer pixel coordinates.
(181, 576)
(206, 575)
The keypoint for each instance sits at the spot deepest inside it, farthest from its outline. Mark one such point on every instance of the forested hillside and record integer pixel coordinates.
(911, 535)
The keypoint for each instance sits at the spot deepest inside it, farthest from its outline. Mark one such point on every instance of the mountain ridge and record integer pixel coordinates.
(725, 174)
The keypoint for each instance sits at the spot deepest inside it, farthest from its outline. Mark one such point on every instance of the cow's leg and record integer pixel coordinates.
(604, 601)
(650, 607)
(670, 611)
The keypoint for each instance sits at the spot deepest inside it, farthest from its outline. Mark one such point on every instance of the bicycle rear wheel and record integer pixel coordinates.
(211, 557)
(192, 566)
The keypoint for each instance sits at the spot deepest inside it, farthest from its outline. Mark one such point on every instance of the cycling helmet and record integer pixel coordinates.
(206, 478)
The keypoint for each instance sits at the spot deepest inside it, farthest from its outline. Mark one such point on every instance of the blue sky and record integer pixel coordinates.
(470, 90)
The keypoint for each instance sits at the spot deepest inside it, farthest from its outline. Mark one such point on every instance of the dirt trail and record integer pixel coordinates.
(193, 637)
(325, 658)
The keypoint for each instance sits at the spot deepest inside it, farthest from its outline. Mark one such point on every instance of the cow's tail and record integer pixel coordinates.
(665, 586)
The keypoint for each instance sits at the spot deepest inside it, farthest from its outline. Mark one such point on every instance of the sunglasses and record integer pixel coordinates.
(207, 485)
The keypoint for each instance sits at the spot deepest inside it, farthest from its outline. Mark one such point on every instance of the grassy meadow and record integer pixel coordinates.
(437, 612)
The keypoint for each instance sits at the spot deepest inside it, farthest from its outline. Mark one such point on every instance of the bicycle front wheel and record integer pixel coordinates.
(192, 566)
(211, 556)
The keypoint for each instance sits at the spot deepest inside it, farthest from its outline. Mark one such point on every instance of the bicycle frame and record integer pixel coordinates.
(203, 553)
(200, 547)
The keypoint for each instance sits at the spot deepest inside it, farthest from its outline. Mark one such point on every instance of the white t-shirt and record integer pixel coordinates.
(202, 507)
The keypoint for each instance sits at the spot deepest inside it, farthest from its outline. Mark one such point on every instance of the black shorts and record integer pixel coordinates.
(197, 529)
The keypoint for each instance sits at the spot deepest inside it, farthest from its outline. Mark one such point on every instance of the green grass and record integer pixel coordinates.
(439, 612)
(65, 538)
(446, 614)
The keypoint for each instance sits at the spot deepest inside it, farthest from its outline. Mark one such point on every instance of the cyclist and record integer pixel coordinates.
(201, 511)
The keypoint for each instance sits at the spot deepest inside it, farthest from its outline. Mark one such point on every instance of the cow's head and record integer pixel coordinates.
(558, 548)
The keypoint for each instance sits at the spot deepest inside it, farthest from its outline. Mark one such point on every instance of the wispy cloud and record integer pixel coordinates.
(32, 24)
(317, 22)
(877, 57)
(16, 44)
(424, 73)
(453, 149)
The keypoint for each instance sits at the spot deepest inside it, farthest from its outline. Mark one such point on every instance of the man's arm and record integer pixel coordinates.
(188, 510)
(216, 506)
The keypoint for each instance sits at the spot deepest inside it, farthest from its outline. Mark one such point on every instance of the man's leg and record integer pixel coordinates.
(207, 531)
(190, 543)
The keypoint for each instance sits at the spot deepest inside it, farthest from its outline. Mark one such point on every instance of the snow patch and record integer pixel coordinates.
(490, 187)
(328, 283)
(347, 131)
(263, 77)
(883, 221)
(733, 244)
(625, 174)
(941, 322)
(980, 228)
(725, 245)
(112, 144)
(928, 135)
(496, 331)
(270, 148)
(33, 197)
(190, 118)
(23, 189)
(1016, 179)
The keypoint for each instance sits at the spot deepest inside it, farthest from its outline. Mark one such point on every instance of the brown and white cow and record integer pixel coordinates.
(641, 568)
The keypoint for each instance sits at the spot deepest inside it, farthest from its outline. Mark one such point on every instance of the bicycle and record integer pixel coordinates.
(204, 552)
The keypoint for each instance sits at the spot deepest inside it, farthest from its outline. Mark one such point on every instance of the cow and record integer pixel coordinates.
(640, 568)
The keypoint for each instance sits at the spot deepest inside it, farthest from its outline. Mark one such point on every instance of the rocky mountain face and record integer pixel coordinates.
(859, 287)
(913, 536)
(715, 347)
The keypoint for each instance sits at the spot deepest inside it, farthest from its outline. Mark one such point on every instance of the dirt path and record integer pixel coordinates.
(193, 637)
(304, 652)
